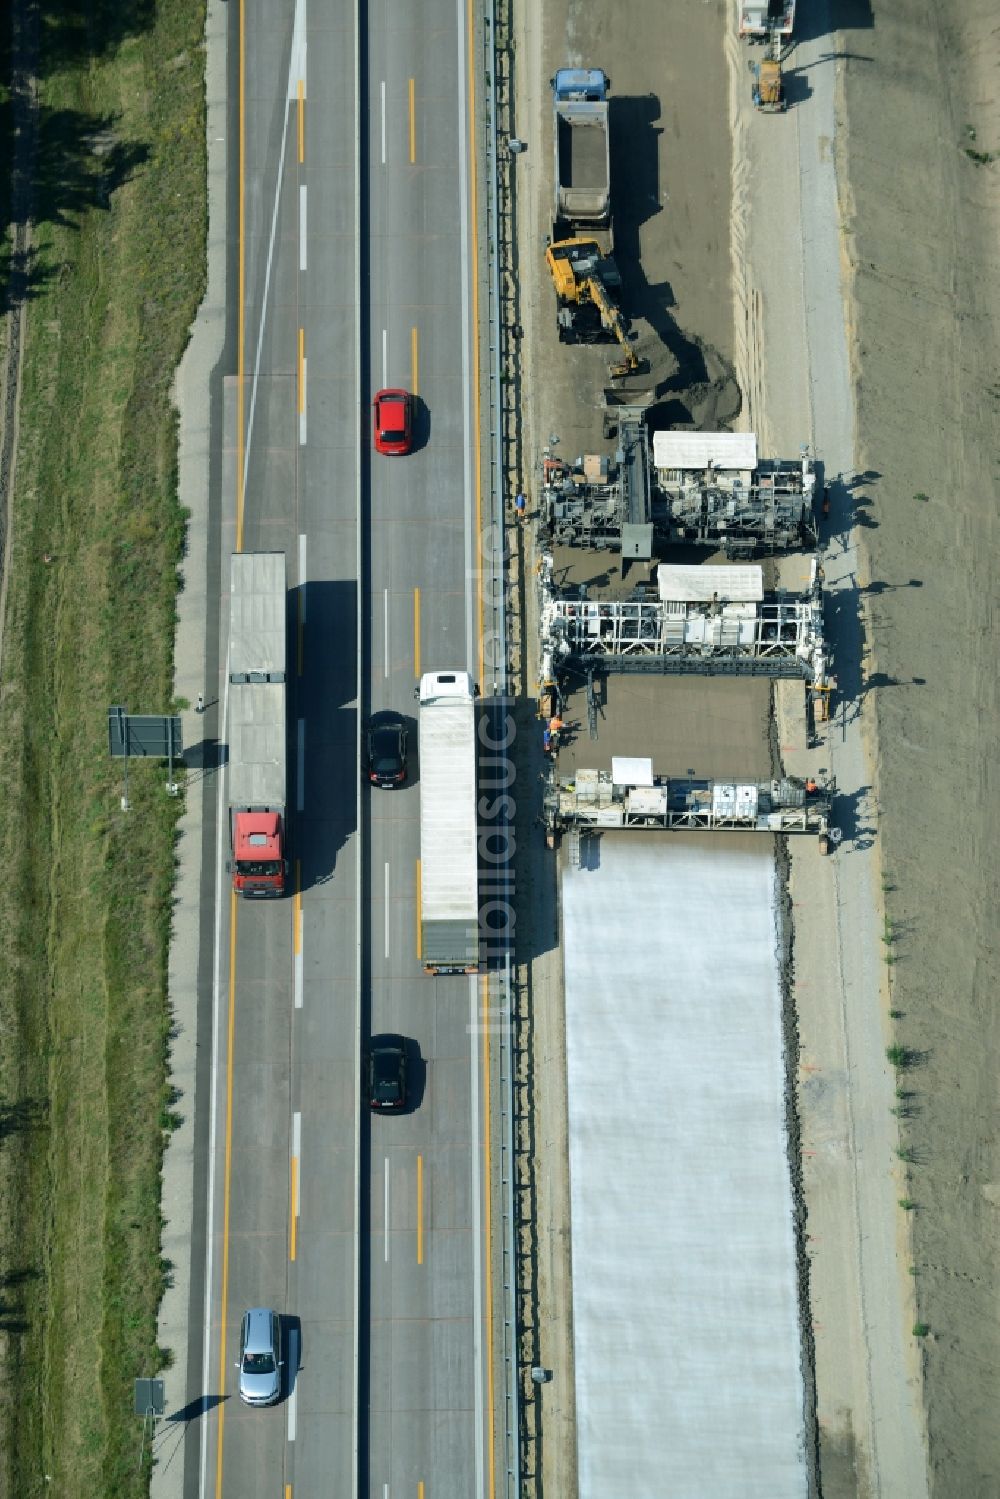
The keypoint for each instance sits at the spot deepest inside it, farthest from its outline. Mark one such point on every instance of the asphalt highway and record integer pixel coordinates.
(363, 1233)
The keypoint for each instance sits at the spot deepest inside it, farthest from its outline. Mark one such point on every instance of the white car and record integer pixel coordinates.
(260, 1358)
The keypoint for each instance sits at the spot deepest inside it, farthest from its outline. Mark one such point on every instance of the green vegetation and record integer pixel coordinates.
(900, 1056)
(908, 1204)
(115, 279)
(920, 1329)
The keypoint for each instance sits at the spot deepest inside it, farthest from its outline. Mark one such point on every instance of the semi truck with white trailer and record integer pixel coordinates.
(449, 871)
(258, 724)
(582, 151)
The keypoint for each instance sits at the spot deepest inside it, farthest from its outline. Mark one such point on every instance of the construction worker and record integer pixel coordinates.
(555, 726)
(811, 786)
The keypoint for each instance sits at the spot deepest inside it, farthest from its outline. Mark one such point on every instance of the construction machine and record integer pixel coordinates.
(768, 89)
(587, 282)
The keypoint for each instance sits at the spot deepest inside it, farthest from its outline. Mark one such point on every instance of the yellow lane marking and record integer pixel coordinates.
(419, 943)
(226, 1181)
(414, 363)
(413, 122)
(302, 122)
(297, 910)
(302, 370)
(416, 633)
(476, 428)
(488, 1225)
(420, 1489)
(420, 1213)
(477, 417)
(288, 1491)
(295, 1206)
(241, 292)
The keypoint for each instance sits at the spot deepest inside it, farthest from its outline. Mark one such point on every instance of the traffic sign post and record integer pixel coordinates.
(155, 736)
(148, 1405)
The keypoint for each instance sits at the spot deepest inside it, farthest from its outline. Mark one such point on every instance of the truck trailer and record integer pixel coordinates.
(449, 872)
(762, 20)
(257, 724)
(582, 151)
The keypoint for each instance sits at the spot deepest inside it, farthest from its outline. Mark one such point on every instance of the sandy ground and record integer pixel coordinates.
(910, 439)
(921, 90)
(671, 183)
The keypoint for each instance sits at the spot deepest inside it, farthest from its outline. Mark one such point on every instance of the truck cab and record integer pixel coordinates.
(258, 867)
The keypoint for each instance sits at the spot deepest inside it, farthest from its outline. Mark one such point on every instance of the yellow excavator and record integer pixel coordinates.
(586, 282)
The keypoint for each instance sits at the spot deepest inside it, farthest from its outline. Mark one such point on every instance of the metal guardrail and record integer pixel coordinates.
(498, 106)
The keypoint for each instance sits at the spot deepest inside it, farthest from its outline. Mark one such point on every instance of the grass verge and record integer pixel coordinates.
(85, 904)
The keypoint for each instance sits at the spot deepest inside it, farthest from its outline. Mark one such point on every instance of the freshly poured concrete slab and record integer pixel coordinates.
(686, 1331)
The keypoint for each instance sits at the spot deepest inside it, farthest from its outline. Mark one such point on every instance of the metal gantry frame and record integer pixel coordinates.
(779, 635)
(621, 503)
(591, 801)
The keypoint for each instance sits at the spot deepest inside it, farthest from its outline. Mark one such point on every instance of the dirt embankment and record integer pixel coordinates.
(922, 159)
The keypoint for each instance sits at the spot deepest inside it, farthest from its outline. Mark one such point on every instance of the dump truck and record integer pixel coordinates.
(582, 153)
(258, 724)
(448, 891)
(768, 91)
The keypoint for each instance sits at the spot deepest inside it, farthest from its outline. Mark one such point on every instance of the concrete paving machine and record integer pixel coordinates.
(587, 283)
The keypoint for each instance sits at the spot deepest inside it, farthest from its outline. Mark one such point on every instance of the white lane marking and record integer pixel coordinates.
(293, 1383)
(299, 985)
(303, 241)
(293, 92)
(387, 908)
(385, 630)
(303, 580)
(305, 404)
(297, 60)
(222, 823)
(383, 120)
(297, 1153)
(385, 1228)
(385, 357)
(300, 767)
(469, 438)
(475, 1135)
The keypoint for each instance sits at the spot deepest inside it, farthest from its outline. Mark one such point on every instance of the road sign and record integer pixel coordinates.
(149, 1397)
(133, 736)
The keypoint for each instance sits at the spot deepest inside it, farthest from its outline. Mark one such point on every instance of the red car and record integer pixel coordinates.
(393, 421)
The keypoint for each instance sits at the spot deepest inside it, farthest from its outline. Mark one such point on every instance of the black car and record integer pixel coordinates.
(385, 1074)
(386, 749)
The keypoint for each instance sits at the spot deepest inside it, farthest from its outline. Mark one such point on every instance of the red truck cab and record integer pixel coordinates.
(258, 854)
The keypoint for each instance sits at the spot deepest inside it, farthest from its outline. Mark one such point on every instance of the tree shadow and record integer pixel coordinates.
(19, 1117)
(13, 1313)
(81, 162)
(71, 30)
